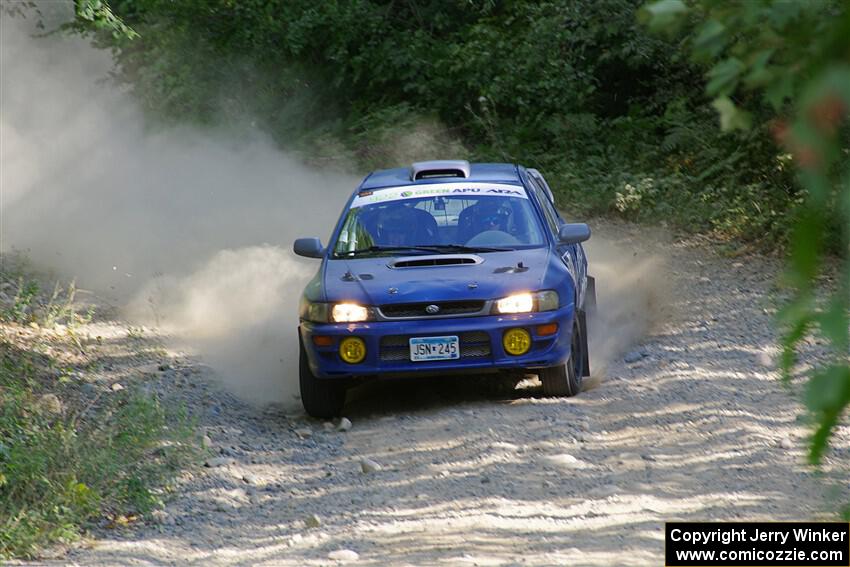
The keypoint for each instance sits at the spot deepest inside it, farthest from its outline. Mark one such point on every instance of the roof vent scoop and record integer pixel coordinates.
(439, 168)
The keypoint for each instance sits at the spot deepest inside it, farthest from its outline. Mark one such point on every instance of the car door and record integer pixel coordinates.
(571, 254)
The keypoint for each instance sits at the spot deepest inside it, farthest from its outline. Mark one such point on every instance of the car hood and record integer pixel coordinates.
(370, 280)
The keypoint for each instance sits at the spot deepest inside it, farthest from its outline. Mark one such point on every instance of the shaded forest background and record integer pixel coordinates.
(614, 113)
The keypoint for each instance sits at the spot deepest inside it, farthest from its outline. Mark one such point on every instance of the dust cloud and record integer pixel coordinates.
(239, 310)
(192, 229)
(632, 288)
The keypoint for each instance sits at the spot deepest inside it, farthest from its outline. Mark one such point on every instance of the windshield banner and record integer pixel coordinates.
(370, 197)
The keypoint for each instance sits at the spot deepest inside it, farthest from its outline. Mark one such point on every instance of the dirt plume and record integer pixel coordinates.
(238, 309)
(191, 228)
(632, 288)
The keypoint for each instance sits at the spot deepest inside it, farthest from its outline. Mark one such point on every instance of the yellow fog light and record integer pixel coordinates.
(516, 341)
(352, 350)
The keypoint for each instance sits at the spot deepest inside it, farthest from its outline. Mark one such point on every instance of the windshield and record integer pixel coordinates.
(440, 217)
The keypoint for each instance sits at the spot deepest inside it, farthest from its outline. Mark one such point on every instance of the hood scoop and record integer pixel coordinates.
(435, 260)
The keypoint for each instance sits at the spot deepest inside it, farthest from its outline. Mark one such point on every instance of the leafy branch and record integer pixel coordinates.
(97, 15)
(792, 58)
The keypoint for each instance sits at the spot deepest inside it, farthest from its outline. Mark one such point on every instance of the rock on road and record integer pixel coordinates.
(695, 426)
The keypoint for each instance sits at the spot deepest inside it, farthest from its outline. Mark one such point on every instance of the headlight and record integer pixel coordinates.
(349, 313)
(315, 312)
(519, 303)
(334, 312)
(528, 302)
(547, 300)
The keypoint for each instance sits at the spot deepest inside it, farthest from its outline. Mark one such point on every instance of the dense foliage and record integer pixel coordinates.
(795, 57)
(614, 114)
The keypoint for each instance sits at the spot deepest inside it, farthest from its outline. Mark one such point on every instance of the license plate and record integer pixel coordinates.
(434, 348)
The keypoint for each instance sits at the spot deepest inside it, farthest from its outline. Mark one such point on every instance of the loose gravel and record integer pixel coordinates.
(688, 423)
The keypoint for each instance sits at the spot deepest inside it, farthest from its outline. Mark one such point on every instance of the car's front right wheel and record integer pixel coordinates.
(321, 398)
(564, 380)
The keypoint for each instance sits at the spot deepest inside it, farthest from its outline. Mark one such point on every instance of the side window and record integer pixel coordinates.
(548, 209)
(548, 191)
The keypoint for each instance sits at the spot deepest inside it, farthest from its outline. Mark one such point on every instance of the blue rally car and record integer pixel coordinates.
(443, 268)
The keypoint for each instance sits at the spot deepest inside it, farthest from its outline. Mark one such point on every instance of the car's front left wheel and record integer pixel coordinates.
(564, 380)
(321, 398)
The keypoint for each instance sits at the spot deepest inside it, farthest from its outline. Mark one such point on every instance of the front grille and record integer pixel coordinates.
(473, 344)
(402, 310)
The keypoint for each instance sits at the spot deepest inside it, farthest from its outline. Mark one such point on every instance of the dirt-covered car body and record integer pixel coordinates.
(481, 275)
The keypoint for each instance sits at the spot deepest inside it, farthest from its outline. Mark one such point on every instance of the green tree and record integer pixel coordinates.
(793, 58)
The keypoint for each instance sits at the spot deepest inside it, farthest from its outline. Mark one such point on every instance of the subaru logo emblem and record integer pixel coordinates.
(432, 309)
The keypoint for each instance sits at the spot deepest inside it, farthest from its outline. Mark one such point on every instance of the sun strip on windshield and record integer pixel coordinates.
(404, 192)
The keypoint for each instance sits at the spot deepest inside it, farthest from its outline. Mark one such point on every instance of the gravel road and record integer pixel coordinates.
(695, 426)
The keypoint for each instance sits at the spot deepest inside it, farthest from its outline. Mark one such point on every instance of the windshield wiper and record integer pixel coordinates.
(436, 248)
(371, 249)
(464, 248)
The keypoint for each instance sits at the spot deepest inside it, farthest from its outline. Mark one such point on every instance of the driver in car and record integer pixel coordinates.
(489, 217)
(396, 226)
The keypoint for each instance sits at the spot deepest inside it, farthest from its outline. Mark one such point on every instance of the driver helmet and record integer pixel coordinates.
(491, 216)
(395, 225)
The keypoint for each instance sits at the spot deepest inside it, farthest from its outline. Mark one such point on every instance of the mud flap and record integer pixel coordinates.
(582, 323)
(590, 296)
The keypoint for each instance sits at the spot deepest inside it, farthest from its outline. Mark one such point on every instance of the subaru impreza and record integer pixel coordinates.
(445, 268)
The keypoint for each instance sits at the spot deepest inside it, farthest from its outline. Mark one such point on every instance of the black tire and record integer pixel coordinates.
(321, 398)
(565, 380)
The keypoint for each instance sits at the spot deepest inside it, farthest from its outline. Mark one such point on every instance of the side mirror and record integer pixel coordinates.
(309, 247)
(573, 233)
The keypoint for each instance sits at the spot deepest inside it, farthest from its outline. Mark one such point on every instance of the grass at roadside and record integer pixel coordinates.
(73, 453)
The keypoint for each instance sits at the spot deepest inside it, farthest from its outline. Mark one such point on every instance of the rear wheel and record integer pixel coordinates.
(321, 398)
(564, 380)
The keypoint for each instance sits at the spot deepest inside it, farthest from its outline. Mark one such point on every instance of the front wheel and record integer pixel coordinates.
(564, 380)
(321, 398)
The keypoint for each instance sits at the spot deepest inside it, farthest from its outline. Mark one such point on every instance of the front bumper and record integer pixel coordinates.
(386, 344)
